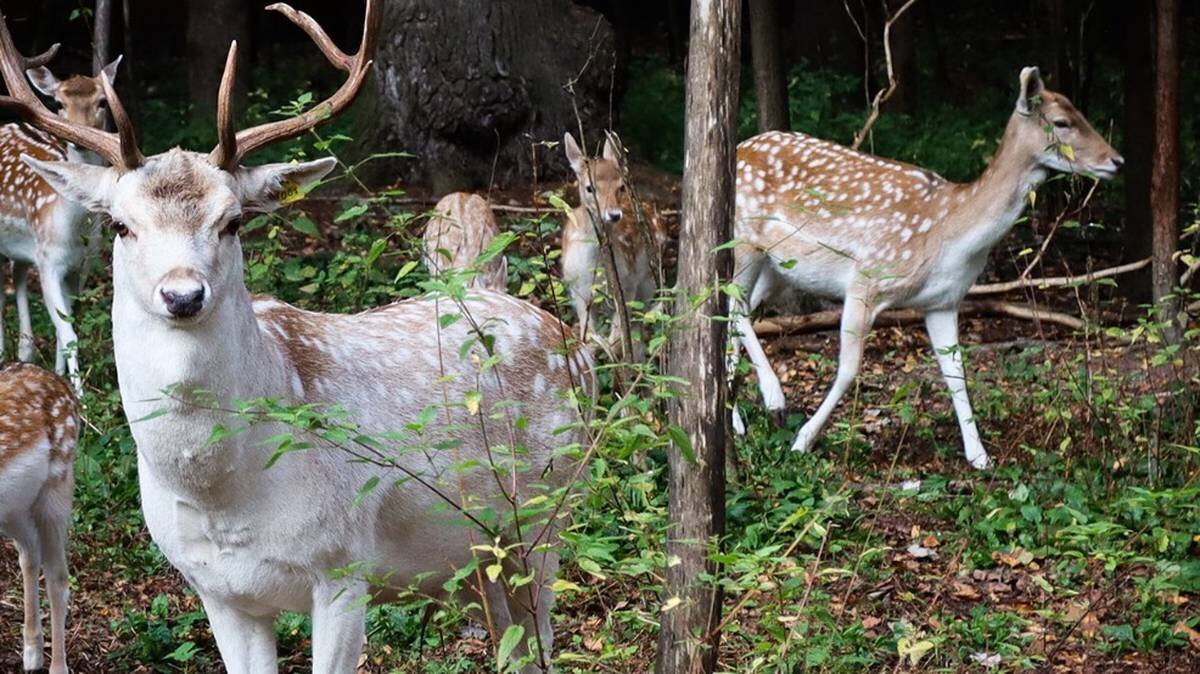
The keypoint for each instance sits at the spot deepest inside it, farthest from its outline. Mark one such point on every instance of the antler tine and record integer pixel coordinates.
(131, 156)
(42, 58)
(357, 68)
(340, 59)
(24, 102)
(225, 155)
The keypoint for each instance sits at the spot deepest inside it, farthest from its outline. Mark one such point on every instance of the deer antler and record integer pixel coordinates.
(119, 149)
(234, 145)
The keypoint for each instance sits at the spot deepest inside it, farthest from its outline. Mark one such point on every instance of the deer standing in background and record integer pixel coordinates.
(880, 234)
(255, 540)
(37, 226)
(601, 205)
(457, 234)
(39, 426)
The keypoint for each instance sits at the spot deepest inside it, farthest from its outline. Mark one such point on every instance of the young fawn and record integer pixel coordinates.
(878, 234)
(601, 206)
(37, 226)
(457, 234)
(39, 425)
(256, 537)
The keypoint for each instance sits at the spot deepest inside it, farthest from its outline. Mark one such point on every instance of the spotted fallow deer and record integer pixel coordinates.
(39, 425)
(601, 205)
(37, 227)
(189, 341)
(877, 233)
(459, 231)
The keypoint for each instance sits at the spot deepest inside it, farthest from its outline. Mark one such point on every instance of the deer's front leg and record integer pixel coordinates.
(339, 619)
(246, 642)
(58, 303)
(25, 333)
(943, 335)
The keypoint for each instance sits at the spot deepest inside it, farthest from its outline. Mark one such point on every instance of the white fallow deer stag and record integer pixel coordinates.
(879, 234)
(39, 426)
(602, 198)
(37, 227)
(255, 539)
(459, 231)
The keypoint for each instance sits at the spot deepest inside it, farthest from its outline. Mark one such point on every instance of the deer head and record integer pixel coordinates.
(1061, 138)
(80, 98)
(177, 214)
(601, 186)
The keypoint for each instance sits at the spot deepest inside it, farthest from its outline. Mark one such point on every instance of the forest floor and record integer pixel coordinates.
(881, 550)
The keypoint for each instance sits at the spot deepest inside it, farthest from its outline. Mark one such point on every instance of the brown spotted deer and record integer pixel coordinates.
(189, 341)
(460, 229)
(37, 226)
(39, 426)
(601, 205)
(879, 234)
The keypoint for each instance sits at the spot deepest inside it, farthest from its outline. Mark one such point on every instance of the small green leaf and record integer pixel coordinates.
(305, 225)
(508, 643)
(351, 213)
(682, 441)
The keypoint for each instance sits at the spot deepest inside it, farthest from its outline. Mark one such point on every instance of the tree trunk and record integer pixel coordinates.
(1138, 128)
(211, 26)
(473, 92)
(1164, 173)
(101, 31)
(770, 74)
(689, 637)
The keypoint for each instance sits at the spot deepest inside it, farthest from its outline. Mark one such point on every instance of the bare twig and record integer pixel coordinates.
(884, 94)
(828, 320)
(1056, 281)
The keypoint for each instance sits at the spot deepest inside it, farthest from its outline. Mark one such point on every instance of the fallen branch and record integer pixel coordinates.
(829, 320)
(1056, 281)
(883, 94)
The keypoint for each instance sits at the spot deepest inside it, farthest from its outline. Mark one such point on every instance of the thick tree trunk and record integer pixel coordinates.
(1164, 173)
(212, 25)
(101, 32)
(472, 89)
(689, 636)
(770, 73)
(1138, 129)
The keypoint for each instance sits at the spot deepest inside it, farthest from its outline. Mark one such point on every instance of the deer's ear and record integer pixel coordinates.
(1031, 88)
(111, 69)
(43, 80)
(265, 188)
(610, 150)
(574, 154)
(85, 184)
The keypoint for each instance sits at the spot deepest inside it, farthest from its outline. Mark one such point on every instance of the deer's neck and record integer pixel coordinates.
(182, 383)
(983, 212)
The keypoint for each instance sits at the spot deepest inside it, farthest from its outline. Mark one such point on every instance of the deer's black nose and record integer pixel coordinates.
(183, 304)
(1118, 161)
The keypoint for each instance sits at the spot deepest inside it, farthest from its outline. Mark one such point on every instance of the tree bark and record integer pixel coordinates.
(1164, 173)
(770, 73)
(211, 26)
(474, 107)
(904, 58)
(689, 636)
(101, 32)
(1138, 128)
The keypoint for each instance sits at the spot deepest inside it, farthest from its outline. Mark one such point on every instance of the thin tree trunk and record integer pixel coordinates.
(1164, 173)
(1138, 148)
(101, 31)
(212, 25)
(689, 637)
(770, 74)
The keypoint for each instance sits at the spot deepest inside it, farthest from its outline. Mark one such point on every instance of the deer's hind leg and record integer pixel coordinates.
(29, 553)
(858, 314)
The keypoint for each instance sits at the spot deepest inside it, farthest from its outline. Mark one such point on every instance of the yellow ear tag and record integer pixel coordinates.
(290, 192)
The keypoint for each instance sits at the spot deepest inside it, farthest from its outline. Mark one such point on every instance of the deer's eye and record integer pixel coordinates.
(589, 189)
(1062, 123)
(120, 228)
(232, 227)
